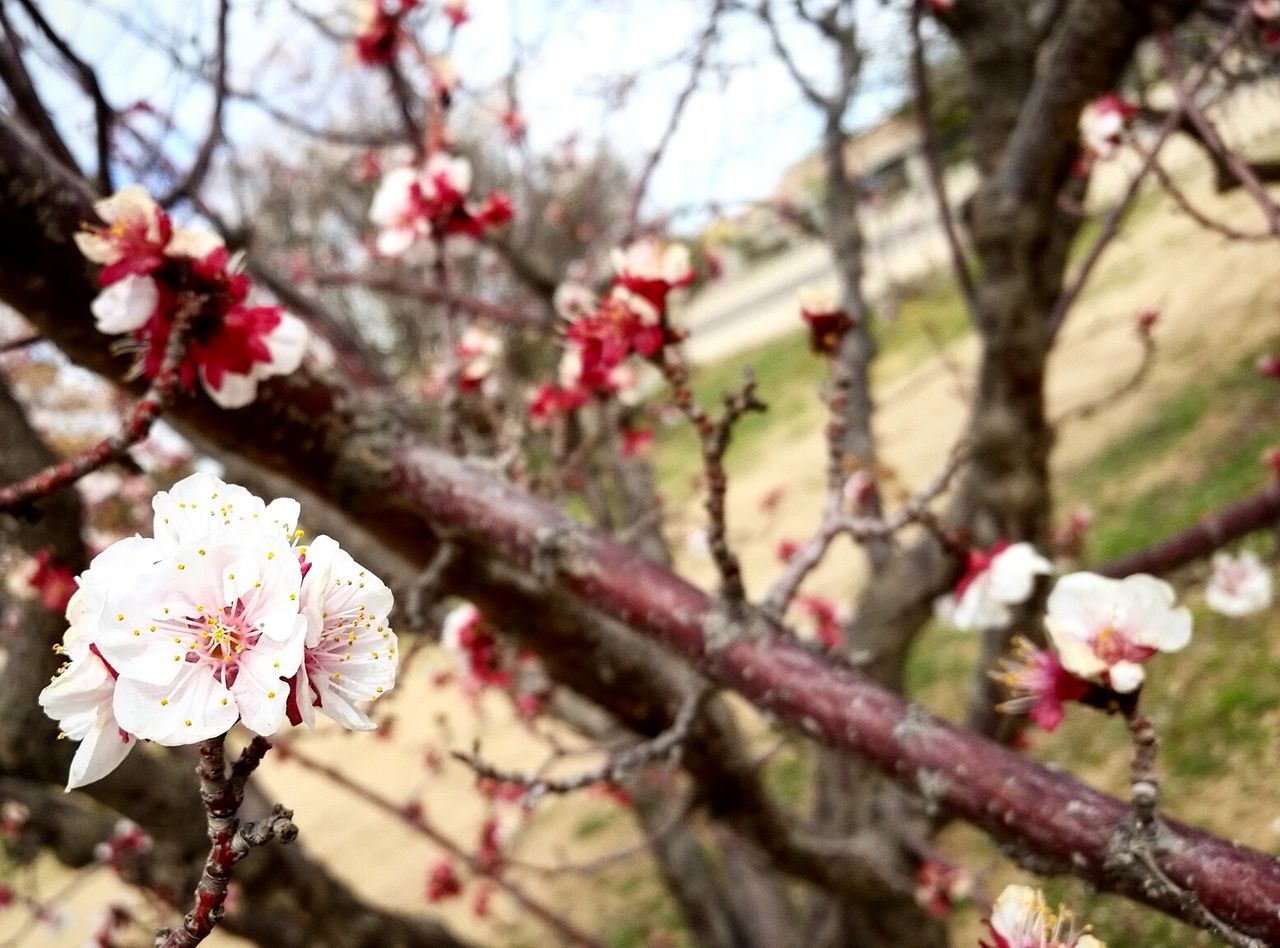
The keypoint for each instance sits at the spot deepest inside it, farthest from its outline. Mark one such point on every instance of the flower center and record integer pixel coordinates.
(1112, 646)
(222, 637)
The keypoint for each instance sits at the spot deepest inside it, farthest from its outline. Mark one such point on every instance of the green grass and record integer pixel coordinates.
(1210, 435)
(1217, 703)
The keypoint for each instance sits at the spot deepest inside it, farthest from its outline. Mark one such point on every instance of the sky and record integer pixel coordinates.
(740, 131)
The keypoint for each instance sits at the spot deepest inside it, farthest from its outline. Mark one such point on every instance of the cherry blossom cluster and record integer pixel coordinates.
(1102, 630)
(1021, 918)
(218, 618)
(417, 207)
(379, 30)
(152, 270)
(1103, 124)
(631, 319)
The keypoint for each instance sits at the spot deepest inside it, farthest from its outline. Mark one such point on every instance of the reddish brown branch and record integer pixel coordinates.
(1213, 531)
(1042, 816)
(230, 840)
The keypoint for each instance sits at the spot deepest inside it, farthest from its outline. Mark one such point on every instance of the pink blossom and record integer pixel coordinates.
(1039, 684)
(443, 882)
(1269, 365)
(636, 442)
(1021, 918)
(457, 12)
(378, 33)
(469, 639)
(827, 624)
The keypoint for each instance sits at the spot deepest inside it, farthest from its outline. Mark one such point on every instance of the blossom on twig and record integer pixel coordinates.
(177, 637)
(151, 270)
(1106, 629)
(1240, 585)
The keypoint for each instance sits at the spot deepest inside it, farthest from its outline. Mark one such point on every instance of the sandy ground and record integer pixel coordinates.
(1217, 301)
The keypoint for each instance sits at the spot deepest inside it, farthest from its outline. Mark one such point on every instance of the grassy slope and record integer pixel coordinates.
(1217, 705)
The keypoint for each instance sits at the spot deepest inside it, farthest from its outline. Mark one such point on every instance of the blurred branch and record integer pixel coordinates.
(933, 160)
(666, 744)
(137, 423)
(696, 67)
(104, 115)
(195, 175)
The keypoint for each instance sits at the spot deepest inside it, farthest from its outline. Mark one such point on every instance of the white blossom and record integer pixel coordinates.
(1105, 629)
(1240, 585)
(995, 581)
(650, 259)
(130, 209)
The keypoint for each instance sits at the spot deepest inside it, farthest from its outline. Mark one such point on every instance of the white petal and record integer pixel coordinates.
(194, 708)
(260, 693)
(1125, 676)
(101, 752)
(196, 244)
(125, 305)
(1014, 571)
(236, 390)
(97, 249)
(395, 241)
(287, 344)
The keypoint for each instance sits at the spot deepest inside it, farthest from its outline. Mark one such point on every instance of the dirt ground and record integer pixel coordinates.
(1210, 294)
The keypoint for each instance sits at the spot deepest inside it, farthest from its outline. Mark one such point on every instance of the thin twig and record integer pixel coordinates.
(104, 116)
(696, 67)
(416, 820)
(16, 345)
(661, 746)
(230, 840)
(137, 424)
(714, 436)
(1111, 227)
(195, 175)
(1209, 135)
(1127, 387)
(835, 523)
